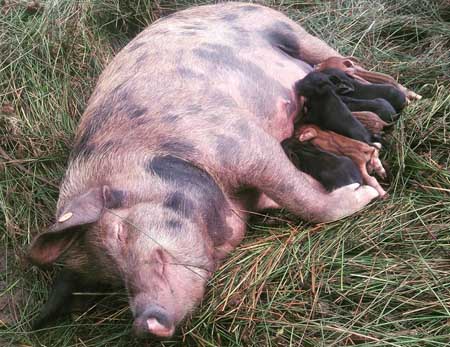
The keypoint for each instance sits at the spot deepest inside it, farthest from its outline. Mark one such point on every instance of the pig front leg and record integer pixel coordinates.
(258, 160)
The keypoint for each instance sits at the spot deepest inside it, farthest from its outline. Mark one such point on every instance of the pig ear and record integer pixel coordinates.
(307, 134)
(348, 63)
(343, 87)
(81, 210)
(353, 60)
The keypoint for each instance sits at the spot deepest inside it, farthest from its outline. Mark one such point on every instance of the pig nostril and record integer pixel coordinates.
(158, 329)
(154, 321)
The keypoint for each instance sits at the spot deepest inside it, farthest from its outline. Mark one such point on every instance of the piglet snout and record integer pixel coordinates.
(154, 322)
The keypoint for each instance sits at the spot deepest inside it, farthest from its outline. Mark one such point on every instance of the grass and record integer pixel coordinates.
(378, 278)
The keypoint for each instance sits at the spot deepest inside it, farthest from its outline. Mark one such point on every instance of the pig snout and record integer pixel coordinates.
(155, 322)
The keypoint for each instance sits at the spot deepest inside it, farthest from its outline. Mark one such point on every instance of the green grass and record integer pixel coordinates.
(378, 278)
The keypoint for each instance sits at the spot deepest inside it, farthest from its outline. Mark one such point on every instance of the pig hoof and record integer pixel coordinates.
(357, 194)
(350, 199)
(367, 193)
(412, 96)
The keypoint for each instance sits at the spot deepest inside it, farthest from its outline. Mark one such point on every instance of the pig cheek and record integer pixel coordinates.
(190, 298)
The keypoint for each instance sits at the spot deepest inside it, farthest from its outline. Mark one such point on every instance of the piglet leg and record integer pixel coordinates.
(371, 181)
(375, 164)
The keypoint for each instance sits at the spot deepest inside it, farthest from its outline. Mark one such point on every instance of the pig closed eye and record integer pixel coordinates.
(119, 232)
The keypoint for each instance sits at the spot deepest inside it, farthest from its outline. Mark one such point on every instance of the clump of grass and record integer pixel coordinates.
(378, 278)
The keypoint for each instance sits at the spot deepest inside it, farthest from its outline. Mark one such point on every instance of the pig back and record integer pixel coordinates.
(236, 56)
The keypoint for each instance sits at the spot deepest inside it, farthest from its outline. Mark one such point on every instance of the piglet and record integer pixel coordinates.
(363, 155)
(379, 106)
(325, 108)
(371, 121)
(348, 86)
(351, 66)
(331, 170)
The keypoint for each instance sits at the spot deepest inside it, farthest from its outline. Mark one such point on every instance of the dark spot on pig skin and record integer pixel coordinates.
(114, 198)
(217, 54)
(180, 203)
(82, 148)
(179, 148)
(107, 145)
(159, 31)
(137, 112)
(241, 37)
(174, 224)
(87, 150)
(193, 109)
(218, 97)
(242, 128)
(259, 90)
(173, 169)
(170, 118)
(140, 121)
(283, 26)
(188, 73)
(188, 33)
(116, 104)
(227, 149)
(135, 46)
(193, 27)
(249, 8)
(229, 17)
(211, 204)
(143, 57)
(286, 41)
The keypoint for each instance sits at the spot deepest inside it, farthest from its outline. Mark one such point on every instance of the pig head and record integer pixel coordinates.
(159, 251)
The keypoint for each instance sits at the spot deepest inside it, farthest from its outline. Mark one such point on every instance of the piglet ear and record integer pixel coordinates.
(345, 88)
(84, 209)
(307, 134)
(342, 86)
(353, 60)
